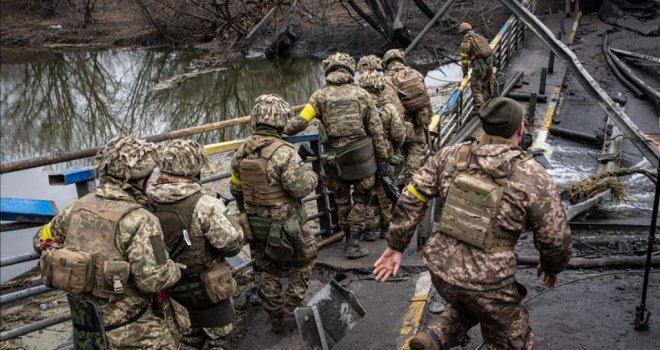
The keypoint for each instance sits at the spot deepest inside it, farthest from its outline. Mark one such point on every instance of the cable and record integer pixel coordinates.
(573, 281)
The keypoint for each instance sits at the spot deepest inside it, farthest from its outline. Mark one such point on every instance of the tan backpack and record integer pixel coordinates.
(412, 90)
(482, 46)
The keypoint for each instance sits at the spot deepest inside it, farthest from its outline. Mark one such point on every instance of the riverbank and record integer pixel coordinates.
(321, 27)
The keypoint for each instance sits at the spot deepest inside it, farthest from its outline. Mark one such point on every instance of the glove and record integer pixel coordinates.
(382, 169)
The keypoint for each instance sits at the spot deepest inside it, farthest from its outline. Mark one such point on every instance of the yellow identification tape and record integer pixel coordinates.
(234, 180)
(416, 193)
(45, 233)
(308, 113)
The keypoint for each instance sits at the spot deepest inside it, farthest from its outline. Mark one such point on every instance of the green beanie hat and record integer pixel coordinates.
(501, 116)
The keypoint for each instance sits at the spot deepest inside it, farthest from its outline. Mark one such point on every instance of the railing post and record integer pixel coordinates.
(322, 203)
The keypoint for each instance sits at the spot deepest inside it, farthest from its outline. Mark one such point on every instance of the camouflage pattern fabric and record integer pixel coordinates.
(215, 338)
(369, 63)
(392, 56)
(482, 69)
(339, 60)
(126, 158)
(270, 110)
(529, 200)
(287, 168)
(182, 158)
(504, 320)
(151, 272)
(208, 220)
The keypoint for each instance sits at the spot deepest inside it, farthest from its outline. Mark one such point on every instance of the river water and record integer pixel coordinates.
(53, 102)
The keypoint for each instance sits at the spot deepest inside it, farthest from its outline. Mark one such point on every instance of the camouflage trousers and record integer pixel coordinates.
(504, 320)
(148, 332)
(216, 338)
(480, 85)
(270, 286)
(354, 209)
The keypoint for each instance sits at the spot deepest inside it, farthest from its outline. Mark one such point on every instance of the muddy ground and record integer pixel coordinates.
(322, 27)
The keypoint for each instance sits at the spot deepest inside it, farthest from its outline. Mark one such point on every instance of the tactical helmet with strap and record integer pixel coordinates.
(339, 60)
(183, 158)
(270, 110)
(126, 158)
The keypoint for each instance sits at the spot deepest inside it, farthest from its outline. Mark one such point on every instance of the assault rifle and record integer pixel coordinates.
(305, 151)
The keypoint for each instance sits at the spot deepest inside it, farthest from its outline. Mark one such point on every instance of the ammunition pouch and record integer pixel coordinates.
(354, 161)
(281, 240)
(68, 269)
(218, 282)
(422, 118)
(190, 292)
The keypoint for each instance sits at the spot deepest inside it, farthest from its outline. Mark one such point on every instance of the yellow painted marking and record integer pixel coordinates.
(308, 113)
(412, 318)
(547, 122)
(414, 192)
(435, 123)
(571, 37)
(221, 147)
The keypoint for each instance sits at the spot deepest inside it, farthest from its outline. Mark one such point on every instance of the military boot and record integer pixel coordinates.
(289, 318)
(353, 249)
(276, 323)
(425, 340)
(369, 236)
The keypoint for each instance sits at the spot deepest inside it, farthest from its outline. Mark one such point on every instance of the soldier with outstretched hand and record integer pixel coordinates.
(490, 192)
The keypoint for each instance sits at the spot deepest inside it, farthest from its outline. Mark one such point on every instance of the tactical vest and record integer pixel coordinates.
(92, 229)
(175, 217)
(480, 48)
(343, 114)
(471, 206)
(258, 189)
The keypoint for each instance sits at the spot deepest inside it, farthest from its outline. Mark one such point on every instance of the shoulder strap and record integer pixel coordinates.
(268, 151)
(463, 157)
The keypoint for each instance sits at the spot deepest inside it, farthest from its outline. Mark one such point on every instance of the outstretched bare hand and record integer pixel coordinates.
(549, 279)
(387, 265)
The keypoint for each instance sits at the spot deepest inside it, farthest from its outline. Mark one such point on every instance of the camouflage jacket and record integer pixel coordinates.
(284, 167)
(339, 83)
(393, 126)
(469, 49)
(133, 232)
(529, 200)
(392, 96)
(208, 218)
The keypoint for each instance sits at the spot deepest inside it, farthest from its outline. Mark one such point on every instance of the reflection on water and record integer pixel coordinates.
(56, 102)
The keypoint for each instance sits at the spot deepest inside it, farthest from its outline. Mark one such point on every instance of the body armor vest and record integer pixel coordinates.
(190, 291)
(480, 48)
(92, 228)
(343, 114)
(471, 206)
(258, 189)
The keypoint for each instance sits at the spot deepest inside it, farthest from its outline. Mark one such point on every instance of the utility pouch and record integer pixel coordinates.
(218, 282)
(68, 269)
(278, 246)
(329, 163)
(245, 225)
(356, 160)
(422, 117)
(293, 228)
(115, 274)
(260, 227)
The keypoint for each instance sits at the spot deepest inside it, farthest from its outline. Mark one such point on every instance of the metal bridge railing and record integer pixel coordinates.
(456, 113)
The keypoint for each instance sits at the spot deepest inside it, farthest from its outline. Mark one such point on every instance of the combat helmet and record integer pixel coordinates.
(372, 81)
(271, 110)
(369, 63)
(126, 158)
(464, 27)
(182, 158)
(391, 55)
(339, 60)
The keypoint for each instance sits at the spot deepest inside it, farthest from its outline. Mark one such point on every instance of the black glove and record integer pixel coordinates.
(382, 169)
(304, 151)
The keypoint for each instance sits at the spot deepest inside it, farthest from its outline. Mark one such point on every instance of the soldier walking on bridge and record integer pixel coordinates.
(477, 54)
(107, 250)
(268, 181)
(200, 235)
(372, 63)
(491, 192)
(355, 146)
(415, 99)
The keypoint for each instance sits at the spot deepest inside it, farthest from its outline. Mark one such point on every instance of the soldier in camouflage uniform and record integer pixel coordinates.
(113, 225)
(395, 135)
(178, 201)
(268, 181)
(371, 63)
(491, 193)
(477, 54)
(348, 117)
(416, 146)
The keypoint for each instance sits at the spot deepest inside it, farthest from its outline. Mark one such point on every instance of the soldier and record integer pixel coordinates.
(477, 54)
(417, 104)
(492, 192)
(107, 248)
(395, 135)
(189, 216)
(268, 181)
(355, 146)
(371, 63)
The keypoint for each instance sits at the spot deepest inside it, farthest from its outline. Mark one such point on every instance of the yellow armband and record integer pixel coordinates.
(45, 233)
(234, 180)
(308, 113)
(422, 198)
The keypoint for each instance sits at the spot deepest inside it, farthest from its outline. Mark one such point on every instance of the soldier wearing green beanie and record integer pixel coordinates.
(491, 192)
